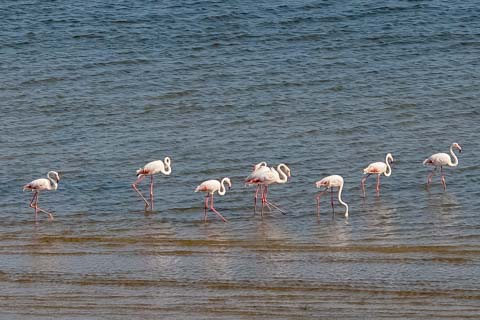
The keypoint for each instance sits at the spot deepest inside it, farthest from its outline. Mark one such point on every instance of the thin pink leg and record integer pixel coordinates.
(218, 213)
(151, 192)
(318, 202)
(263, 198)
(259, 187)
(331, 200)
(34, 205)
(271, 204)
(134, 186)
(205, 209)
(362, 183)
(444, 183)
(378, 185)
(430, 176)
(37, 208)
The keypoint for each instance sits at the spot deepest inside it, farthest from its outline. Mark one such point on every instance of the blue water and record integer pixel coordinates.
(97, 89)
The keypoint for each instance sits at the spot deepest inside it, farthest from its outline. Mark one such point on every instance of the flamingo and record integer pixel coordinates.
(331, 182)
(377, 168)
(440, 160)
(266, 176)
(150, 169)
(210, 187)
(249, 180)
(39, 185)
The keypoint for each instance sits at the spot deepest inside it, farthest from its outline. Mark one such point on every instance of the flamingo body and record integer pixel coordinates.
(151, 169)
(440, 160)
(330, 182)
(210, 187)
(37, 185)
(377, 168)
(265, 176)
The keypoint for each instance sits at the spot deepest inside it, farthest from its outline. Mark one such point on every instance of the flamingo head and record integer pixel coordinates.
(457, 146)
(320, 183)
(55, 176)
(229, 183)
(390, 158)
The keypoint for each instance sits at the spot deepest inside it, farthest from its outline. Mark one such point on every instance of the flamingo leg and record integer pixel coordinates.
(37, 208)
(264, 199)
(218, 213)
(151, 192)
(318, 201)
(331, 200)
(444, 183)
(430, 176)
(377, 188)
(259, 187)
(33, 204)
(271, 204)
(134, 186)
(205, 208)
(362, 183)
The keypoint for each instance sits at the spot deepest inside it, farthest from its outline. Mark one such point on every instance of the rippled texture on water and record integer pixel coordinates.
(96, 89)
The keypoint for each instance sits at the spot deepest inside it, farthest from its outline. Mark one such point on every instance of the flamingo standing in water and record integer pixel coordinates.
(331, 182)
(39, 185)
(249, 180)
(210, 187)
(265, 176)
(377, 168)
(151, 169)
(440, 160)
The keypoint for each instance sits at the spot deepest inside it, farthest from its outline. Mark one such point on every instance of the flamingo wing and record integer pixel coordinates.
(376, 168)
(38, 184)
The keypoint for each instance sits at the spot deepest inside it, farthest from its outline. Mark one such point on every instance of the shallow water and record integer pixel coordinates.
(97, 90)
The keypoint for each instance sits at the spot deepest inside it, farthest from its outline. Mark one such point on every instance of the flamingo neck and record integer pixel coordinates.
(341, 201)
(455, 159)
(222, 189)
(282, 176)
(167, 168)
(53, 183)
(388, 172)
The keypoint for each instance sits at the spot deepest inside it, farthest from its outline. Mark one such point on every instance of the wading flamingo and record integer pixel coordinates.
(440, 160)
(331, 182)
(248, 180)
(377, 168)
(210, 187)
(39, 185)
(151, 169)
(266, 176)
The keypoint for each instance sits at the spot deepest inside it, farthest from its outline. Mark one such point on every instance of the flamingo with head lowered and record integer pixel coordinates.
(440, 160)
(330, 182)
(265, 176)
(210, 187)
(249, 180)
(377, 168)
(150, 169)
(39, 185)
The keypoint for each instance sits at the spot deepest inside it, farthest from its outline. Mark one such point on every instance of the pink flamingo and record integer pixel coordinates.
(151, 169)
(266, 176)
(249, 180)
(39, 185)
(210, 187)
(331, 182)
(378, 168)
(440, 160)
